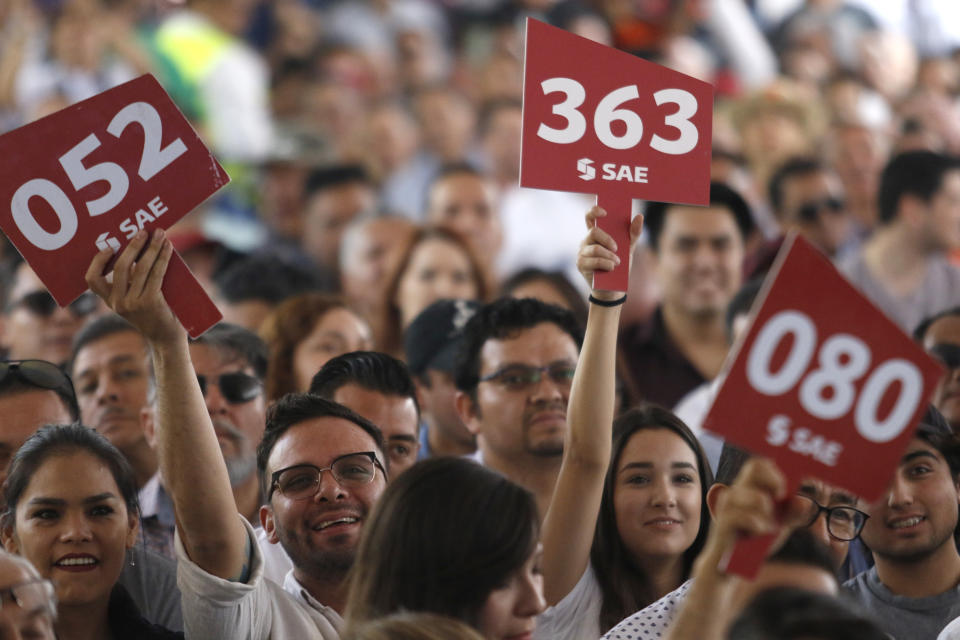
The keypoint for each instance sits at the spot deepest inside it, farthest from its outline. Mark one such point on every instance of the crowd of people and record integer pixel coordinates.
(418, 419)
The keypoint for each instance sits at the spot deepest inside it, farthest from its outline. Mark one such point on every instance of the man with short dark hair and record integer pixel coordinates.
(903, 268)
(513, 380)
(913, 590)
(431, 343)
(940, 337)
(698, 255)
(250, 288)
(379, 388)
(110, 366)
(464, 200)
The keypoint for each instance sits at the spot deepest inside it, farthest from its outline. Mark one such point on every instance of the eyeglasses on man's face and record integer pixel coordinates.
(302, 481)
(33, 595)
(41, 303)
(518, 377)
(236, 388)
(843, 522)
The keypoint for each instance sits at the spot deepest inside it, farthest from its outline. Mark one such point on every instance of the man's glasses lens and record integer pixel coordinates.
(30, 596)
(948, 354)
(843, 523)
(810, 211)
(302, 481)
(235, 387)
(41, 303)
(518, 377)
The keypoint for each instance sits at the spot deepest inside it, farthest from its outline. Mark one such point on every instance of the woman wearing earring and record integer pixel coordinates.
(72, 512)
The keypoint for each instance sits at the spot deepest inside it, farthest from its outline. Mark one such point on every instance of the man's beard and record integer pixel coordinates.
(240, 469)
(316, 562)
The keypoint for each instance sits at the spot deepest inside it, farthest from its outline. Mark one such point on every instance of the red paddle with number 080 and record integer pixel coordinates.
(90, 177)
(601, 121)
(821, 381)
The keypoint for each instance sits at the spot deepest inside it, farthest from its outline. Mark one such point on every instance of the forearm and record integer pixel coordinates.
(192, 466)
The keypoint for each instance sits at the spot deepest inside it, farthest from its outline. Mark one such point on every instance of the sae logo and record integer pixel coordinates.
(585, 167)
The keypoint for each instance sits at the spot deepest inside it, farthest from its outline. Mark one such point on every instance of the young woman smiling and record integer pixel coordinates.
(627, 517)
(72, 512)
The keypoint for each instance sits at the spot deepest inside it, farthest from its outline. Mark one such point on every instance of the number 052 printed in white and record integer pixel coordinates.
(89, 177)
(822, 381)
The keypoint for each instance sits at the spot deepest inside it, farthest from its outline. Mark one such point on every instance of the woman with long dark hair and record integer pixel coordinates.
(454, 538)
(628, 515)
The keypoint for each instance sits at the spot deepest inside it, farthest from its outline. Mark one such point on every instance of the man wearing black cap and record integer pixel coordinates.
(940, 336)
(431, 343)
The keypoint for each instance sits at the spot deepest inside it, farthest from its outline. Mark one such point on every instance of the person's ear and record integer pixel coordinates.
(467, 410)
(134, 529)
(269, 524)
(713, 497)
(149, 426)
(10, 541)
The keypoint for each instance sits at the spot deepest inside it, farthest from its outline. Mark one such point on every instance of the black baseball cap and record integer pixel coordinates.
(433, 338)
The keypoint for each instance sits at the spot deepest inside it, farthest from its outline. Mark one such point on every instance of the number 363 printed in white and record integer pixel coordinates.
(608, 112)
(153, 159)
(843, 359)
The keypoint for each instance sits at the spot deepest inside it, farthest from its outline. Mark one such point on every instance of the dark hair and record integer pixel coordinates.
(936, 431)
(334, 176)
(802, 547)
(798, 166)
(238, 342)
(284, 329)
(294, 408)
(390, 320)
(371, 370)
(625, 586)
(915, 173)
(97, 329)
(491, 108)
(444, 534)
(574, 298)
(921, 330)
(504, 318)
(265, 277)
(455, 169)
(655, 215)
(790, 613)
(52, 440)
(732, 459)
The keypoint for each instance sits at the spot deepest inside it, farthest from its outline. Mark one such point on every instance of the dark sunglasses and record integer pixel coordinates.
(236, 387)
(40, 374)
(810, 211)
(41, 303)
(948, 354)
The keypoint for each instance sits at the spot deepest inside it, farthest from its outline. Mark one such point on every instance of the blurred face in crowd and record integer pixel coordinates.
(657, 497)
(329, 211)
(396, 415)
(916, 518)
(30, 616)
(467, 204)
(698, 261)
(338, 331)
(436, 397)
(35, 326)
(437, 269)
(446, 123)
(320, 534)
(72, 524)
(501, 142)
(942, 340)
(813, 205)
(23, 413)
(282, 198)
(511, 610)
(828, 496)
(392, 135)
(367, 253)
(514, 416)
(944, 213)
(111, 380)
(238, 425)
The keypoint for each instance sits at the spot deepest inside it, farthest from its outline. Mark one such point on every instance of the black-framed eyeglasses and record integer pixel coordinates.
(301, 481)
(517, 377)
(236, 388)
(947, 353)
(810, 211)
(41, 303)
(843, 523)
(40, 374)
(32, 595)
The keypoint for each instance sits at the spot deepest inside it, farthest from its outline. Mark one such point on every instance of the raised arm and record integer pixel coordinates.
(571, 518)
(191, 464)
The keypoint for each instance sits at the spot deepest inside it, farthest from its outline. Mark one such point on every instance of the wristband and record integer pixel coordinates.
(608, 303)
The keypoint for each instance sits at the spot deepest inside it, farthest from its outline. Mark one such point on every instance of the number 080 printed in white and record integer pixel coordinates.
(608, 112)
(843, 359)
(153, 159)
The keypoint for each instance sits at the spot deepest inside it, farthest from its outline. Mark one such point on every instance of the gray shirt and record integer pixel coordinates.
(904, 618)
(151, 580)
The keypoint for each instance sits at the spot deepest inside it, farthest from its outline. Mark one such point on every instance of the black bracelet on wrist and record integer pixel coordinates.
(608, 303)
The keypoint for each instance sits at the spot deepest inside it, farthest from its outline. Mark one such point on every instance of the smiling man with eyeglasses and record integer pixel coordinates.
(513, 381)
(34, 325)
